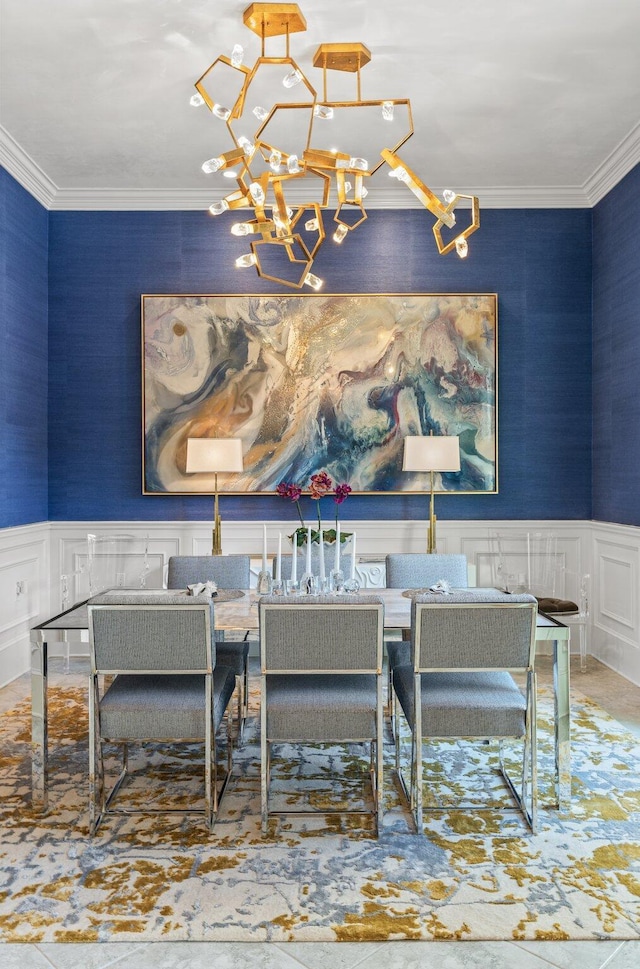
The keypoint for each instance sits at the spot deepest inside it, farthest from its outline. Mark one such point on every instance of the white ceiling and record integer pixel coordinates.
(521, 102)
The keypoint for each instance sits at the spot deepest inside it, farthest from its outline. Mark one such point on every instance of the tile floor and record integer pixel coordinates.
(616, 695)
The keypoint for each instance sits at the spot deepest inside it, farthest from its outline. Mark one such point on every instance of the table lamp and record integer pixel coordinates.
(220, 456)
(433, 453)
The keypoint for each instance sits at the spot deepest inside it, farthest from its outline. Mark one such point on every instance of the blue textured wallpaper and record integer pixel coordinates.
(616, 354)
(23, 357)
(538, 261)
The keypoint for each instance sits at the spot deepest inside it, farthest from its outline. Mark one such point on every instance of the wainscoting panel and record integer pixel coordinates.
(24, 593)
(615, 633)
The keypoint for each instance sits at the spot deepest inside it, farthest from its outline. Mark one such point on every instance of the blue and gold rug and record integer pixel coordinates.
(474, 875)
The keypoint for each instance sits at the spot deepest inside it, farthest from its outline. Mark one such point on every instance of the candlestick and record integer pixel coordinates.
(294, 558)
(352, 585)
(264, 578)
(279, 559)
(336, 563)
(322, 572)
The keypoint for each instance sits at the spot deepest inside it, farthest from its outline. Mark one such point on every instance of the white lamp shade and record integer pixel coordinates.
(214, 454)
(434, 453)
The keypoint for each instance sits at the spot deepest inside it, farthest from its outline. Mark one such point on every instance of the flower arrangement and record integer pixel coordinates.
(320, 485)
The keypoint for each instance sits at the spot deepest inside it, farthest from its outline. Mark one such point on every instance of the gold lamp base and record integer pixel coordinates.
(431, 530)
(216, 535)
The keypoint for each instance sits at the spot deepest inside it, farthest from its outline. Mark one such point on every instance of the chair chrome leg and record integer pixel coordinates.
(417, 744)
(264, 759)
(240, 714)
(229, 746)
(245, 695)
(209, 785)
(376, 791)
(218, 792)
(417, 781)
(93, 740)
(396, 736)
(534, 752)
(379, 803)
(264, 785)
(529, 786)
(582, 633)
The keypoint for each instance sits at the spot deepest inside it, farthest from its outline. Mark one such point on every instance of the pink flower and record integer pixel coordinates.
(290, 491)
(320, 485)
(341, 492)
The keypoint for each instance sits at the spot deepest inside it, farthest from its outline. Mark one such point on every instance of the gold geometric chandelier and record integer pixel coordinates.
(303, 148)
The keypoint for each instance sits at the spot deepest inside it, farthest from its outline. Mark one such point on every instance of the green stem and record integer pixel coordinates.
(300, 513)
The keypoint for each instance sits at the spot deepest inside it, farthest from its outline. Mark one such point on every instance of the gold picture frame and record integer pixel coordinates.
(319, 382)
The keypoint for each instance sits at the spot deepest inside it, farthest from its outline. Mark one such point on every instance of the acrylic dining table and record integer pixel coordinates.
(241, 614)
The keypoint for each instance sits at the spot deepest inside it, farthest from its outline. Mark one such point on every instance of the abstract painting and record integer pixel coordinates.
(315, 383)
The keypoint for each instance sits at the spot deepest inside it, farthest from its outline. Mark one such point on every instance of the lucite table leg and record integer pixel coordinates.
(562, 723)
(39, 738)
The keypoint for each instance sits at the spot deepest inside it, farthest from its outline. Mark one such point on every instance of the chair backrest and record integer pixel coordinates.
(321, 634)
(329, 559)
(116, 562)
(420, 570)
(527, 562)
(143, 633)
(227, 571)
(473, 631)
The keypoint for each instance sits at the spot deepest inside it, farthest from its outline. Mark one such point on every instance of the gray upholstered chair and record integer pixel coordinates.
(159, 655)
(459, 683)
(228, 572)
(418, 570)
(321, 661)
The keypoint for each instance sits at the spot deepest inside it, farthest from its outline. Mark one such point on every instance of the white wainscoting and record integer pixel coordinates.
(24, 593)
(38, 555)
(615, 625)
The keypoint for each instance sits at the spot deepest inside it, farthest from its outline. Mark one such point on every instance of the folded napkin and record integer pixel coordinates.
(208, 588)
(441, 586)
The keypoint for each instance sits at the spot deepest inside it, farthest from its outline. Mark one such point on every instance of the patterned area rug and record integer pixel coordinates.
(474, 875)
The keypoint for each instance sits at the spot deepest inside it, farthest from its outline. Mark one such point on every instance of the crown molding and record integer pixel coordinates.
(131, 199)
(29, 174)
(25, 171)
(614, 168)
(112, 199)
